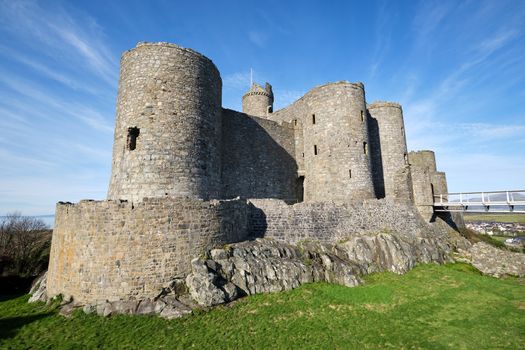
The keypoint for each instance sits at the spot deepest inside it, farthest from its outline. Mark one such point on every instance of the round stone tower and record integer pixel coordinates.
(422, 168)
(167, 131)
(336, 145)
(389, 151)
(258, 101)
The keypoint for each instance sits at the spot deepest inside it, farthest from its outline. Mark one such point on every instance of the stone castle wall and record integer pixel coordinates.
(167, 133)
(113, 250)
(439, 182)
(257, 158)
(330, 222)
(389, 150)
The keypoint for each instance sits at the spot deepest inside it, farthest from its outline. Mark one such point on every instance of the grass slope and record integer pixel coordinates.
(432, 306)
(489, 217)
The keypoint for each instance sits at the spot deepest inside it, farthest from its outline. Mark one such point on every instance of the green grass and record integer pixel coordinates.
(475, 237)
(504, 218)
(431, 307)
(501, 238)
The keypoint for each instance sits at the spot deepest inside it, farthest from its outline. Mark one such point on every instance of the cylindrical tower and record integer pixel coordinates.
(422, 169)
(167, 131)
(389, 150)
(336, 145)
(258, 101)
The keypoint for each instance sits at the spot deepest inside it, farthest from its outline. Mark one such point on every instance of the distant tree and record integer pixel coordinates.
(24, 243)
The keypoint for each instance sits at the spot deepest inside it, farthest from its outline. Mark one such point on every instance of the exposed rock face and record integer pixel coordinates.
(264, 266)
(493, 261)
(38, 289)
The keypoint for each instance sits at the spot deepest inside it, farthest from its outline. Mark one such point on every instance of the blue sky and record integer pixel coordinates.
(457, 67)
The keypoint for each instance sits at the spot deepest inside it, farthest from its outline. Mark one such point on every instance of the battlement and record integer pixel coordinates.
(147, 44)
(382, 104)
(257, 89)
(357, 85)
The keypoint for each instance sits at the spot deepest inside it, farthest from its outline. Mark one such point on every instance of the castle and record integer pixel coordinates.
(189, 175)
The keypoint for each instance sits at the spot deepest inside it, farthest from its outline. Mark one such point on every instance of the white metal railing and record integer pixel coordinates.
(495, 201)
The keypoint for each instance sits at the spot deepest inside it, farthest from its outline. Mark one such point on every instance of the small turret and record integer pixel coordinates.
(258, 101)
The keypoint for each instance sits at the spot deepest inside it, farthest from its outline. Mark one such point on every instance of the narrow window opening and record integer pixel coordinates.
(350, 173)
(406, 159)
(315, 149)
(295, 121)
(303, 155)
(362, 117)
(313, 118)
(269, 110)
(365, 149)
(131, 142)
(403, 131)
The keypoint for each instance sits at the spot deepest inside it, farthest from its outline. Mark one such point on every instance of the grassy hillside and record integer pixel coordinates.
(449, 306)
(489, 217)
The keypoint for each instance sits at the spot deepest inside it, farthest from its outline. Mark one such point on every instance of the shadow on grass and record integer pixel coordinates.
(9, 326)
(9, 296)
(15, 284)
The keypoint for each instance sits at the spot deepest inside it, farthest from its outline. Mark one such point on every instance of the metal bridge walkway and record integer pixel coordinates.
(481, 202)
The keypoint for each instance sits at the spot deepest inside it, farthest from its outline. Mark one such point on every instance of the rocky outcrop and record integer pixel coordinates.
(38, 289)
(263, 265)
(167, 307)
(493, 261)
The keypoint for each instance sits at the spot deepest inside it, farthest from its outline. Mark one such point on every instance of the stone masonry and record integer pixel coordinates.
(189, 176)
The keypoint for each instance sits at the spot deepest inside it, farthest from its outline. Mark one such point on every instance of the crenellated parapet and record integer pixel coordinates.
(258, 101)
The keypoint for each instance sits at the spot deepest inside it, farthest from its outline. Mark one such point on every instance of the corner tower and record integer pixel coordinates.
(168, 123)
(424, 173)
(258, 101)
(389, 154)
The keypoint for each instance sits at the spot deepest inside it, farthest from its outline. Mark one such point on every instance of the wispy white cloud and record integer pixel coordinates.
(258, 38)
(284, 98)
(430, 17)
(15, 162)
(430, 115)
(483, 132)
(103, 155)
(272, 23)
(30, 90)
(48, 72)
(60, 34)
(38, 196)
(237, 80)
(383, 37)
(479, 171)
(91, 117)
(497, 41)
